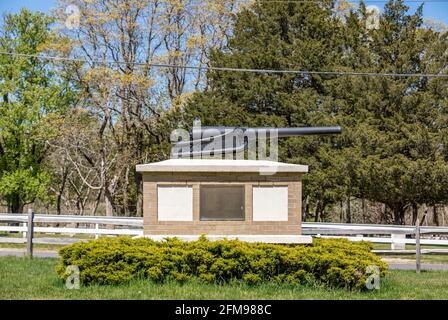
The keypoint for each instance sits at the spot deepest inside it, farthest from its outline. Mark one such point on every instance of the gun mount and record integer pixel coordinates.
(205, 141)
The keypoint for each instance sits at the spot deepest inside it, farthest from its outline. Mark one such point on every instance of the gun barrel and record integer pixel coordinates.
(291, 132)
(282, 132)
(202, 138)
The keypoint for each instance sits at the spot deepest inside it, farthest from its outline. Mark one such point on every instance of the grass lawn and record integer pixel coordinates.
(36, 246)
(22, 278)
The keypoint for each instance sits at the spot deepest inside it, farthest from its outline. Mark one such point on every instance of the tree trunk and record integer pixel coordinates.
(126, 193)
(364, 210)
(322, 212)
(15, 205)
(414, 213)
(424, 217)
(139, 182)
(399, 215)
(61, 189)
(108, 202)
(305, 209)
(435, 215)
(341, 214)
(316, 215)
(58, 204)
(349, 211)
(97, 202)
(443, 215)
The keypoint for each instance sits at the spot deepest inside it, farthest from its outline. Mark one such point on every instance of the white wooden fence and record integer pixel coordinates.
(377, 233)
(80, 225)
(97, 226)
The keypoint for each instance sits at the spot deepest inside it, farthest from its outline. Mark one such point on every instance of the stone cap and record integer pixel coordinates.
(246, 238)
(219, 165)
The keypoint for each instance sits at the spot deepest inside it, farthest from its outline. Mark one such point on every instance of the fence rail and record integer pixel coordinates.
(27, 226)
(31, 223)
(343, 228)
(44, 218)
(378, 233)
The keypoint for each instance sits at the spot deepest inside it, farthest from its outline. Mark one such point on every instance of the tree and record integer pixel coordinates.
(394, 127)
(118, 85)
(392, 149)
(30, 91)
(290, 35)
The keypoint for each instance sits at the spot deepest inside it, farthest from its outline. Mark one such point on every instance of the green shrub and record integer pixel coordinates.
(332, 262)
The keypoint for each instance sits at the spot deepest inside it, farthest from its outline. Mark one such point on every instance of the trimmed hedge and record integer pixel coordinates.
(332, 262)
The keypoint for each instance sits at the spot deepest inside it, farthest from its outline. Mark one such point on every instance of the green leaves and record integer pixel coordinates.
(334, 263)
(24, 183)
(392, 126)
(30, 91)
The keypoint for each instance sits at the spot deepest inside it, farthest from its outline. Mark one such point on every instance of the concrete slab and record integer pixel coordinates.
(219, 165)
(294, 239)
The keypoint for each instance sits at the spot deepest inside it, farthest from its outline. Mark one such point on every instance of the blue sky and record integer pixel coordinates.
(437, 9)
(14, 5)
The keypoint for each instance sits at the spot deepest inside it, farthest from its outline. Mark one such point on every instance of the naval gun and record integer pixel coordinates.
(205, 141)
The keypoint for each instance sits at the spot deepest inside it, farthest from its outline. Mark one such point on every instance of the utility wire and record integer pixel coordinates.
(349, 1)
(230, 69)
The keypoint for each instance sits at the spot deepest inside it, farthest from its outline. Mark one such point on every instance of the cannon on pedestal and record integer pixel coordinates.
(204, 141)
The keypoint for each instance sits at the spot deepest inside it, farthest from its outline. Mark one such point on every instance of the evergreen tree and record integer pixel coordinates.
(301, 36)
(392, 149)
(393, 128)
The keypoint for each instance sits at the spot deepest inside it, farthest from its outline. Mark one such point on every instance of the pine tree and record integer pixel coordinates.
(392, 149)
(394, 125)
(301, 36)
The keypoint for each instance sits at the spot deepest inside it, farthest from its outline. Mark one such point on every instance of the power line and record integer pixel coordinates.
(350, 1)
(230, 69)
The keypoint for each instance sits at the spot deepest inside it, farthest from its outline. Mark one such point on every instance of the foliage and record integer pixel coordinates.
(335, 263)
(30, 91)
(133, 103)
(393, 147)
(23, 278)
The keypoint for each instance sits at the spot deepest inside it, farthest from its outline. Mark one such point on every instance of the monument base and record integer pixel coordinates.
(295, 239)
